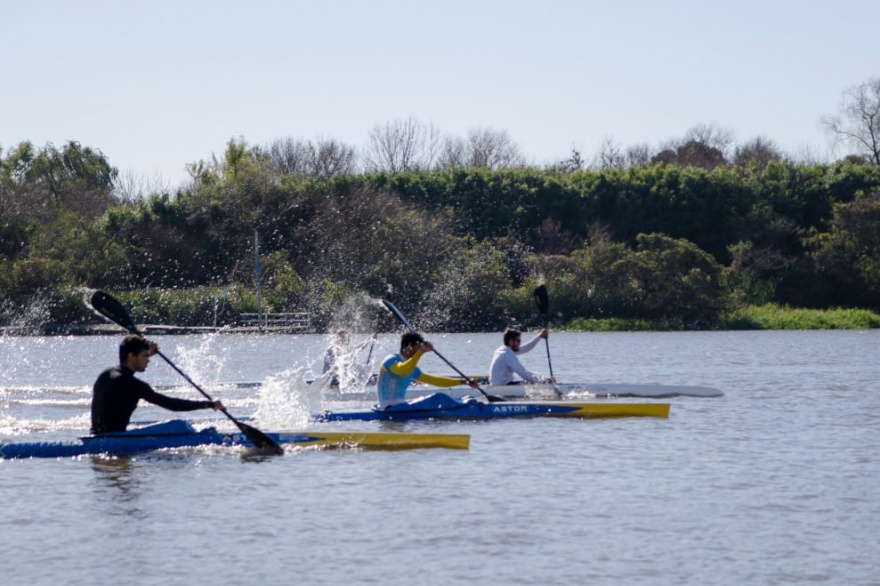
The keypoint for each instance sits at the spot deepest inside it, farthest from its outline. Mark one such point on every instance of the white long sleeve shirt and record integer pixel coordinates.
(505, 364)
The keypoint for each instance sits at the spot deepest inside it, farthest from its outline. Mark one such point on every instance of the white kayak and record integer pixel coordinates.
(545, 391)
(647, 390)
(367, 391)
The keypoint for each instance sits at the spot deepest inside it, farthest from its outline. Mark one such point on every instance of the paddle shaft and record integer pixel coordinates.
(490, 398)
(547, 346)
(370, 353)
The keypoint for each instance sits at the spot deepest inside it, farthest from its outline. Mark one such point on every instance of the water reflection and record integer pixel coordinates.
(118, 486)
(257, 455)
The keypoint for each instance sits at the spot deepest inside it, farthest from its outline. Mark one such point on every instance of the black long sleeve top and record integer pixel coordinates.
(116, 394)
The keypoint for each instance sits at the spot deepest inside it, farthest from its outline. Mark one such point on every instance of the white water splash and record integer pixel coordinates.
(287, 401)
(27, 319)
(203, 363)
(357, 313)
(10, 426)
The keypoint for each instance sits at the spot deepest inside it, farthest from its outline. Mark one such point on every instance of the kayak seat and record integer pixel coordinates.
(172, 427)
(431, 402)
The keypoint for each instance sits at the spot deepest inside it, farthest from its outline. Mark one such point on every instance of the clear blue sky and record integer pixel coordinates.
(156, 85)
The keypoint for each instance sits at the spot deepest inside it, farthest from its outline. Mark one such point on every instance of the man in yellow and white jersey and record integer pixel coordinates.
(398, 371)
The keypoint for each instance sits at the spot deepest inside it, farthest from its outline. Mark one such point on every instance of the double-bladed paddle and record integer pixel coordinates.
(393, 309)
(109, 308)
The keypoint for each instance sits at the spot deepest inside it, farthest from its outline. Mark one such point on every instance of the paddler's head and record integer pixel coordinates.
(410, 343)
(135, 352)
(512, 338)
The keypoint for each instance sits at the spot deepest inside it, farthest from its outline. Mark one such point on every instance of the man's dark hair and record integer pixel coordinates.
(410, 339)
(132, 344)
(510, 334)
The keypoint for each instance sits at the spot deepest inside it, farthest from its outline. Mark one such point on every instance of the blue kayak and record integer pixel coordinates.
(442, 406)
(180, 434)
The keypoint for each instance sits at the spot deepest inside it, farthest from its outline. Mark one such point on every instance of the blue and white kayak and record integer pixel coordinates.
(442, 406)
(180, 434)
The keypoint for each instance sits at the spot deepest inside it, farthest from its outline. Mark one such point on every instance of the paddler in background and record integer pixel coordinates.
(505, 363)
(338, 359)
(116, 393)
(399, 370)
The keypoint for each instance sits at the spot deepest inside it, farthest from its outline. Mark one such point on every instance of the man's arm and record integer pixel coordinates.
(406, 367)
(439, 381)
(175, 404)
(528, 346)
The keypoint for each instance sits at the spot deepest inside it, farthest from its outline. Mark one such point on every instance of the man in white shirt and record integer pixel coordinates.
(505, 362)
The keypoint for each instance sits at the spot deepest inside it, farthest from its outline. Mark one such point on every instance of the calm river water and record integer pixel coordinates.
(777, 482)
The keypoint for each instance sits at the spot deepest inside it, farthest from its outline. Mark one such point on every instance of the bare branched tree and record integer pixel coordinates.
(704, 146)
(666, 155)
(330, 158)
(575, 162)
(807, 154)
(699, 154)
(484, 148)
(638, 155)
(758, 152)
(610, 155)
(129, 186)
(454, 153)
(288, 156)
(712, 136)
(402, 145)
(858, 123)
(322, 158)
(493, 149)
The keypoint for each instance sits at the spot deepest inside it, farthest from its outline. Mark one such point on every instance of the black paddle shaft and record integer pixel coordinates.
(109, 308)
(393, 309)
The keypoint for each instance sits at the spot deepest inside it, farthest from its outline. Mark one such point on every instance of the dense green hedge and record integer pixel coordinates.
(678, 247)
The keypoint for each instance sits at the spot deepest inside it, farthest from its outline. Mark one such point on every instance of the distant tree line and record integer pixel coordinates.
(457, 231)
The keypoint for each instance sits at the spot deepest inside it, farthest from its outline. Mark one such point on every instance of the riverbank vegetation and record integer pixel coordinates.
(751, 317)
(694, 235)
(774, 317)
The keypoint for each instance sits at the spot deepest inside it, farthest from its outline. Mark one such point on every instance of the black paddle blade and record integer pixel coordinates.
(542, 298)
(259, 439)
(393, 309)
(108, 307)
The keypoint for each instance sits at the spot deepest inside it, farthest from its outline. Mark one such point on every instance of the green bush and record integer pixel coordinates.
(775, 317)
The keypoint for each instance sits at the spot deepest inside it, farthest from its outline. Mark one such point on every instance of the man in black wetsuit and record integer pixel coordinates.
(116, 392)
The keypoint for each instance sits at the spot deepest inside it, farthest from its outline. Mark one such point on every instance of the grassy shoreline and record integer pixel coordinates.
(209, 309)
(753, 317)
